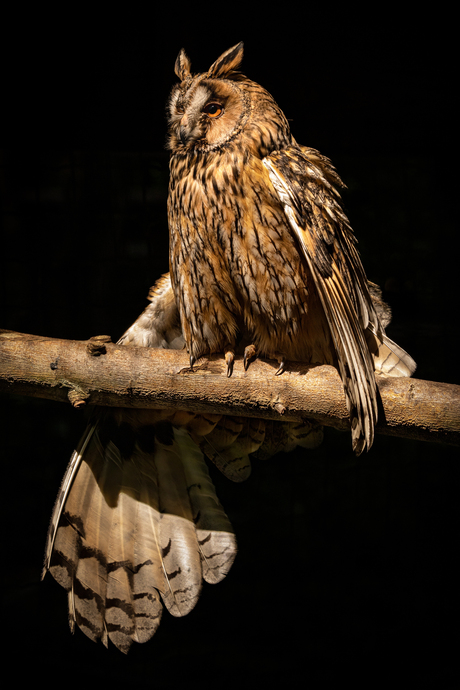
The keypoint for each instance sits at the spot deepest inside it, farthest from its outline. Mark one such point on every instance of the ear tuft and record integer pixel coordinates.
(182, 66)
(228, 62)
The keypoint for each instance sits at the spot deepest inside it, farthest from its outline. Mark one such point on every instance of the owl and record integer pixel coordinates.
(263, 260)
(262, 263)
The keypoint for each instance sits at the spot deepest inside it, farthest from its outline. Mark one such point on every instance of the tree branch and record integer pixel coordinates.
(101, 373)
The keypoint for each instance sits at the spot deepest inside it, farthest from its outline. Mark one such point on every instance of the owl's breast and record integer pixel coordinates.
(235, 263)
(201, 277)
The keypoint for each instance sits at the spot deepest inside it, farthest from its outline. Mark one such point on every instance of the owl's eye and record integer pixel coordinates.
(213, 110)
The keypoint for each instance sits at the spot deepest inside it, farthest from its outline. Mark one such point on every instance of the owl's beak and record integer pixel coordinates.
(183, 133)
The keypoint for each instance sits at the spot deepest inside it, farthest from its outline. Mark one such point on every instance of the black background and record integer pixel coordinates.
(346, 567)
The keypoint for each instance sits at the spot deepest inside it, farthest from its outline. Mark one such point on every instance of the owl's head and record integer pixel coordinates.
(207, 111)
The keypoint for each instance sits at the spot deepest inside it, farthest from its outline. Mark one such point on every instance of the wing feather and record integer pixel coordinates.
(136, 525)
(216, 540)
(303, 180)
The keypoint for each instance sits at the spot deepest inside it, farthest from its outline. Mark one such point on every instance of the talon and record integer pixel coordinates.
(281, 367)
(192, 361)
(249, 353)
(229, 358)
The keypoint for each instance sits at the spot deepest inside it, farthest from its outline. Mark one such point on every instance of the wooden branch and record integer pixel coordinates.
(101, 373)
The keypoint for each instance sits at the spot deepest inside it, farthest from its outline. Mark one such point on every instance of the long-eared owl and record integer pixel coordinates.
(263, 259)
(261, 252)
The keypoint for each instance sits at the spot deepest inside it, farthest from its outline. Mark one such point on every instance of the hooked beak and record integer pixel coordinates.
(183, 133)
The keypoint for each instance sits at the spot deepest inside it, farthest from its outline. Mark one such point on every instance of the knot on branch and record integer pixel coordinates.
(97, 345)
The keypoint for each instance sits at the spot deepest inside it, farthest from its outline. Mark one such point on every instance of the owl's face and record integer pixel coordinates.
(208, 110)
(205, 113)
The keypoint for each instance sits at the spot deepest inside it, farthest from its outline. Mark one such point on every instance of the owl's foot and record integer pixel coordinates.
(229, 359)
(281, 367)
(249, 352)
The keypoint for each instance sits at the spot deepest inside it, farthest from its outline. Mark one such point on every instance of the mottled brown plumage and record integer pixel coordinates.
(261, 252)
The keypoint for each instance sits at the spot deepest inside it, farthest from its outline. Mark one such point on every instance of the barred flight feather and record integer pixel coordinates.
(134, 532)
(347, 306)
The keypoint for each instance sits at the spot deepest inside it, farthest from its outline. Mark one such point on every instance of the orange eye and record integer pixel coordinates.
(213, 109)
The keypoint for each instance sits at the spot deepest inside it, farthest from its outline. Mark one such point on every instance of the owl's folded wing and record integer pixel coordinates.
(304, 182)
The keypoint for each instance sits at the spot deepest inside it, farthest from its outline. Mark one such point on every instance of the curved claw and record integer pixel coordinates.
(192, 361)
(229, 358)
(281, 367)
(249, 352)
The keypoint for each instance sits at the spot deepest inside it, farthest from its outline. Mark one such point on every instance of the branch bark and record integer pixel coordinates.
(100, 373)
